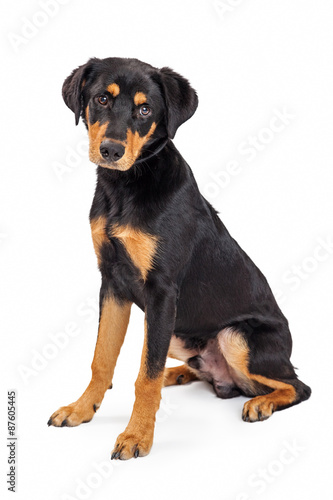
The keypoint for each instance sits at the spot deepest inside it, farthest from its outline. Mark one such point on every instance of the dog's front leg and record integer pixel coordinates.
(160, 314)
(114, 318)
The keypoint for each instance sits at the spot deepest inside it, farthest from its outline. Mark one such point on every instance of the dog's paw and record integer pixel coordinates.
(258, 409)
(178, 375)
(73, 414)
(129, 445)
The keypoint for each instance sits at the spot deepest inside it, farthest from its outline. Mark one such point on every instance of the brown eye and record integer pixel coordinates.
(102, 99)
(145, 110)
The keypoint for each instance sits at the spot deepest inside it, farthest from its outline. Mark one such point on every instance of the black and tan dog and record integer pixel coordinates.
(161, 246)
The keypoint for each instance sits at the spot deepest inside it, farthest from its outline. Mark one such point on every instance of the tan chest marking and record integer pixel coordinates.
(140, 246)
(98, 233)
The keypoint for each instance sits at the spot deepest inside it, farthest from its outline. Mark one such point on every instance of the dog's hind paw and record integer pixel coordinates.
(258, 409)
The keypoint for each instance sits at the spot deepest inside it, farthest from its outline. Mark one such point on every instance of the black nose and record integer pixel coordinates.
(112, 151)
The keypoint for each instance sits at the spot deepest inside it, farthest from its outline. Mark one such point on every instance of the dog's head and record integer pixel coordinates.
(129, 108)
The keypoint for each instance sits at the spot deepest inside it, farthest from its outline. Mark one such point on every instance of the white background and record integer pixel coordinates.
(246, 59)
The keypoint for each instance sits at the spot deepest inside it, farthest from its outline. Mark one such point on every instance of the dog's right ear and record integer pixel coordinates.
(73, 86)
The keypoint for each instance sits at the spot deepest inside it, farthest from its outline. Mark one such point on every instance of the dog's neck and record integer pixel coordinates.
(159, 145)
(138, 194)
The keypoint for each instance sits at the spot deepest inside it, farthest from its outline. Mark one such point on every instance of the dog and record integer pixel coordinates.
(162, 246)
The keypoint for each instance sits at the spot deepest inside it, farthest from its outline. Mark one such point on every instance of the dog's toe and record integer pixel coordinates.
(129, 446)
(72, 415)
(257, 409)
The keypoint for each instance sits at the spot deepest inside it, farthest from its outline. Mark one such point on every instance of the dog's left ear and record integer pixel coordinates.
(73, 86)
(180, 98)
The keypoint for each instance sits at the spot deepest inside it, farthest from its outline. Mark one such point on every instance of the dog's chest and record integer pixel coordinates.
(139, 246)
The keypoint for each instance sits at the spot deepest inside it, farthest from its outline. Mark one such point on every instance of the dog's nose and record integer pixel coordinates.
(112, 151)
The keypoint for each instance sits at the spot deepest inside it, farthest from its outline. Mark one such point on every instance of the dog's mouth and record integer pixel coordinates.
(111, 164)
(115, 154)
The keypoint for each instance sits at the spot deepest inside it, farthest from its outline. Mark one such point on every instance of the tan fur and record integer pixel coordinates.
(96, 134)
(139, 433)
(134, 145)
(114, 89)
(98, 233)
(111, 333)
(236, 351)
(141, 247)
(140, 98)
(177, 350)
(178, 375)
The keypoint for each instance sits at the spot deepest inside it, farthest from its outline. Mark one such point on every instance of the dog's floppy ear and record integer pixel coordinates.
(180, 98)
(72, 89)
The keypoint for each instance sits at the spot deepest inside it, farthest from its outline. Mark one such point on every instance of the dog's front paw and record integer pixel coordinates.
(132, 445)
(73, 414)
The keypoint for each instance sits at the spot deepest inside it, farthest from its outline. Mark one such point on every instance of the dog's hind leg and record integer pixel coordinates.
(260, 367)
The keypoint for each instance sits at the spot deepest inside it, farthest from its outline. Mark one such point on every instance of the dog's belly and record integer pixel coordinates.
(208, 363)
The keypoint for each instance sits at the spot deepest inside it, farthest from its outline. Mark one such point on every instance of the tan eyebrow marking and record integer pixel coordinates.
(114, 89)
(140, 98)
